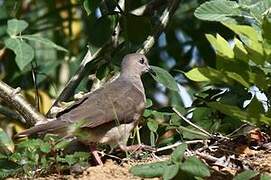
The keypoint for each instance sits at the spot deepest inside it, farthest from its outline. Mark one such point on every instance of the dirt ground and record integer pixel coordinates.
(260, 161)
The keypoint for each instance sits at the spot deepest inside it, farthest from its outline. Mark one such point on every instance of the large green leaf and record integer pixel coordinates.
(204, 74)
(178, 153)
(246, 175)
(171, 171)
(195, 167)
(245, 30)
(6, 143)
(44, 41)
(156, 169)
(16, 26)
(217, 10)
(221, 46)
(24, 53)
(163, 77)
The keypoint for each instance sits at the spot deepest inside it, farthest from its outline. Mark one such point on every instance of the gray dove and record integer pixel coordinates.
(108, 115)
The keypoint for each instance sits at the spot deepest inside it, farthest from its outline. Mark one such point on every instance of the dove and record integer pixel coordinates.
(107, 115)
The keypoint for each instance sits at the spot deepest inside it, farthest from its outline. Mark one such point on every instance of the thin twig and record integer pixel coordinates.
(207, 156)
(16, 100)
(149, 8)
(179, 143)
(189, 122)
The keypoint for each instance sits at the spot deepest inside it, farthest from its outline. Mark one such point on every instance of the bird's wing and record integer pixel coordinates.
(118, 101)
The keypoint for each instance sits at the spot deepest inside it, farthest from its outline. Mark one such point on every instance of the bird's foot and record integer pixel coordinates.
(95, 154)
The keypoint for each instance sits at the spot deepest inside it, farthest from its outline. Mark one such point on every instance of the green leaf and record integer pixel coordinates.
(217, 10)
(266, 28)
(148, 103)
(252, 39)
(240, 51)
(137, 28)
(90, 5)
(221, 46)
(195, 167)
(208, 74)
(178, 153)
(196, 75)
(163, 77)
(171, 171)
(245, 30)
(246, 175)
(24, 53)
(62, 144)
(43, 41)
(6, 143)
(45, 147)
(234, 111)
(152, 125)
(265, 177)
(151, 170)
(16, 26)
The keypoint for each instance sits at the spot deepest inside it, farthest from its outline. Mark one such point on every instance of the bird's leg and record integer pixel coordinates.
(137, 147)
(94, 152)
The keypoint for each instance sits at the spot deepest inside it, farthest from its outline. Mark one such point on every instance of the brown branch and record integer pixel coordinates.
(13, 98)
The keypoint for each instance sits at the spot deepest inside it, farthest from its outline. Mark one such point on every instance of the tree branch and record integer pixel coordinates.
(164, 20)
(148, 9)
(17, 101)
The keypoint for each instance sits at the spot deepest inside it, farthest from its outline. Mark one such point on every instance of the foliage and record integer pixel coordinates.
(36, 157)
(242, 65)
(177, 167)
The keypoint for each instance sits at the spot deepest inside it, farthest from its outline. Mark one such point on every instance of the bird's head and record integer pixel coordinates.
(135, 63)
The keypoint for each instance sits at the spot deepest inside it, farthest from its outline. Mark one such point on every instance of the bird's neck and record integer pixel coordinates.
(135, 79)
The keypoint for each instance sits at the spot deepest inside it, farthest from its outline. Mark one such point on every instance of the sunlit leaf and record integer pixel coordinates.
(44, 41)
(24, 53)
(16, 26)
(221, 46)
(217, 10)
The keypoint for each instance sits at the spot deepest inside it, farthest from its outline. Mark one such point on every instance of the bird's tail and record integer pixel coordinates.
(41, 129)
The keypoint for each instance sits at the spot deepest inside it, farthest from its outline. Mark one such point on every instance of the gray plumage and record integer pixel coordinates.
(107, 115)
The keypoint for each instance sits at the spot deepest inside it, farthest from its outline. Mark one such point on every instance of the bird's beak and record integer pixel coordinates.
(150, 70)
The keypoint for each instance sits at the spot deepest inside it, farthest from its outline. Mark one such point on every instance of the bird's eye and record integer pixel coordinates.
(141, 61)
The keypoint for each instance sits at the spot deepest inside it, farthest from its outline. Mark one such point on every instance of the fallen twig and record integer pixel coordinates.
(192, 124)
(179, 143)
